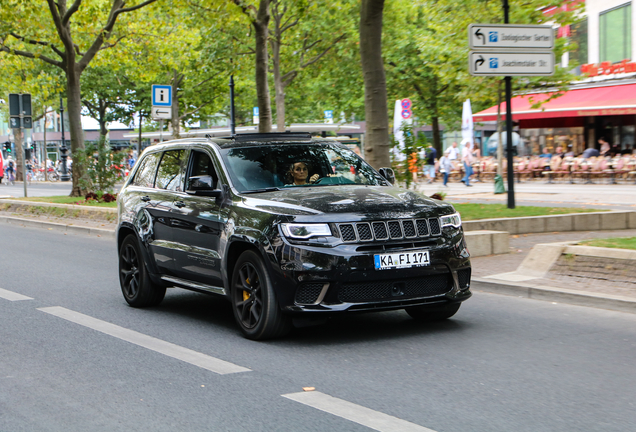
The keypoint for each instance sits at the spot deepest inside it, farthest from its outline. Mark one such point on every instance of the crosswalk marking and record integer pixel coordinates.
(11, 296)
(169, 349)
(355, 413)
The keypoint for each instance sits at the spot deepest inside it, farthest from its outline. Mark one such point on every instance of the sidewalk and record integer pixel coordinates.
(554, 286)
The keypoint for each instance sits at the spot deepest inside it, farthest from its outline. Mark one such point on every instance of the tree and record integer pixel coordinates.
(259, 18)
(55, 41)
(427, 48)
(20, 75)
(375, 104)
(309, 49)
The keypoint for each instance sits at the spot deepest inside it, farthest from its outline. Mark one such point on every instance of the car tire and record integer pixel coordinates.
(136, 286)
(254, 302)
(426, 314)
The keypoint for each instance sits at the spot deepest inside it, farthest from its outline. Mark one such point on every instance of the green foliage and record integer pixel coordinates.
(103, 167)
(409, 154)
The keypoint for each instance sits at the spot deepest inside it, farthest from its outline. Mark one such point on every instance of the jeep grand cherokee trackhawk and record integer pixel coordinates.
(287, 227)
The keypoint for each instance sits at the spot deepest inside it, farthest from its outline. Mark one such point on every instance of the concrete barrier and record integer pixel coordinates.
(481, 243)
(610, 220)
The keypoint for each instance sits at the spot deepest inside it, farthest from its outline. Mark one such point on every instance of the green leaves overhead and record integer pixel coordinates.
(198, 44)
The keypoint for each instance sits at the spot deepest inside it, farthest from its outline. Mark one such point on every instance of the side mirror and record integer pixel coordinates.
(203, 185)
(388, 174)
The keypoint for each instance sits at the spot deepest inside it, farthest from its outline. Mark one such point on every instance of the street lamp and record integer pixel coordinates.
(65, 176)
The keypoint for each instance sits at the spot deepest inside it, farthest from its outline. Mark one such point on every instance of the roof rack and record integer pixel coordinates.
(272, 136)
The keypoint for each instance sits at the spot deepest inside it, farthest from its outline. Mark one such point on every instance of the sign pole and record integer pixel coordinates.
(23, 150)
(232, 119)
(161, 130)
(511, 169)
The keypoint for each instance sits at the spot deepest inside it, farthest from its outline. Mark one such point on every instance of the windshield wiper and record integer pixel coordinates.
(269, 189)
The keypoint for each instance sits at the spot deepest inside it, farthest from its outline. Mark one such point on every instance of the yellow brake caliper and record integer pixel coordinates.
(246, 294)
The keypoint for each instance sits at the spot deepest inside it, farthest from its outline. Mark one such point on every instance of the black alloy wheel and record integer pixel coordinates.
(254, 302)
(426, 314)
(136, 286)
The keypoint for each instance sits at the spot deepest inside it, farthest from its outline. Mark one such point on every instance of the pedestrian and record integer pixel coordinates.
(131, 161)
(604, 146)
(445, 166)
(429, 168)
(412, 164)
(467, 159)
(453, 154)
(10, 164)
(1, 167)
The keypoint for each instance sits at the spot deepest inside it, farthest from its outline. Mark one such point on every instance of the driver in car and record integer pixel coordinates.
(298, 173)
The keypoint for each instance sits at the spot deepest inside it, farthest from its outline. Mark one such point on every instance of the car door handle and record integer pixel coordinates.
(145, 198)
(179, 204)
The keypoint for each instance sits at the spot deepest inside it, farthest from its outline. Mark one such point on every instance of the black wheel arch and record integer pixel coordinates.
(126, 229)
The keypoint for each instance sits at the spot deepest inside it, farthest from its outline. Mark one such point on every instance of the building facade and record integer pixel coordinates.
(603, 103)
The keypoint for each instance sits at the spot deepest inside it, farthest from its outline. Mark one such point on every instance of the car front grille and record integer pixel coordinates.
(394, 230)
(426, 286)
(308, 293)
(463, 277)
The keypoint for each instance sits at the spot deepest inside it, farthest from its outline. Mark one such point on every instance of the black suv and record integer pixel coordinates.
(289, 228)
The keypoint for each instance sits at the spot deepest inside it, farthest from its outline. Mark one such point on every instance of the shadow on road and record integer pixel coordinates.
(343, 329)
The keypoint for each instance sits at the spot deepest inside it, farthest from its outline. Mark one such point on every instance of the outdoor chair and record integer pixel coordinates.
(563, 169)
(555, 163)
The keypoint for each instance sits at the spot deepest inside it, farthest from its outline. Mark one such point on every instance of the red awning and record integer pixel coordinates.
(592, 101)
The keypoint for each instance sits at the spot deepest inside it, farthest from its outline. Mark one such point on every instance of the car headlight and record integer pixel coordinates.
(305, 231)
(453, 220)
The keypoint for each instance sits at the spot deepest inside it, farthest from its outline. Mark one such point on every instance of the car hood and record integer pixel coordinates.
(362, 200)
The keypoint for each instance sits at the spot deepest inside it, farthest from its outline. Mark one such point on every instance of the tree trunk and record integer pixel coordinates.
(437, 136)
(141, 116)
(262, 86)
(19, 153)
(174, 121)
(74, 109)
(177, 79)
(377, 143)
(103, 132)
(279, 87)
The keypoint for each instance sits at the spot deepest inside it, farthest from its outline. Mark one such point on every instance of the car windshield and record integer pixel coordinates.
(272, 167)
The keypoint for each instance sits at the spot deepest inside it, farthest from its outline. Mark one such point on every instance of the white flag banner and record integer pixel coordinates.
(467, 125)
(398, 121)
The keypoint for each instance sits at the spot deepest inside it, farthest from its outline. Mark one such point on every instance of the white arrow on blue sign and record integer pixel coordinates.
(161, 95)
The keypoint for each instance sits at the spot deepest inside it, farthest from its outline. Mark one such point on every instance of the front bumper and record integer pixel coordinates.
(320, 280)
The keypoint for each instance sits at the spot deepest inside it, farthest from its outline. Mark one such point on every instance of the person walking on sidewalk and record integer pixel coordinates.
(467, 159)
(453, 154)
(445, 166)
(429, 168)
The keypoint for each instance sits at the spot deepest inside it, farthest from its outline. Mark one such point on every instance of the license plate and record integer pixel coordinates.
(401, 260)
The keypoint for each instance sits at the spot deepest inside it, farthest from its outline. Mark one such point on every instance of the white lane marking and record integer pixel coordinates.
(355, 413)
(171, 350)
(11, 296)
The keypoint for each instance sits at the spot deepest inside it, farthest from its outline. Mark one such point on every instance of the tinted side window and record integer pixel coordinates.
(171, 170)
(145, 176)
(202, 165)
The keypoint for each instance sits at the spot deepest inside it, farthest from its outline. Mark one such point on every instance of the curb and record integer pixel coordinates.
(573, 297)
(535, 292)
(74, 229)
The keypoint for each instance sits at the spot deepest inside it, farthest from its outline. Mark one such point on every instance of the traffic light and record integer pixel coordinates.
(7, 146)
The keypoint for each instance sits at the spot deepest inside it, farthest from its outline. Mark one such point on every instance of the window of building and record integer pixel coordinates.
(578, 35)
(616, 34)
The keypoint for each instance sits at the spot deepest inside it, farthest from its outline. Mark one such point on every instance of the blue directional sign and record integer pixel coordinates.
(161, 95)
